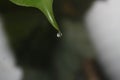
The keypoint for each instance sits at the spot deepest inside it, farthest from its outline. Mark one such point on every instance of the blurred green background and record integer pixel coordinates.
(38, 51)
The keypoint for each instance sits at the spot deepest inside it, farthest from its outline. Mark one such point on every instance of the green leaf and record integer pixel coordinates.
(44, 5)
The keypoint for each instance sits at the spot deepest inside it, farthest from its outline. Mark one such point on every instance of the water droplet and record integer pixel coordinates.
(59, 34)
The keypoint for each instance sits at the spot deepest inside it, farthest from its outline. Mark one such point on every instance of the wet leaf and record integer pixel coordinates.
(44, 5)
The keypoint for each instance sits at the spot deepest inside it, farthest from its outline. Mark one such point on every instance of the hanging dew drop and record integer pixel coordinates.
(59, 34)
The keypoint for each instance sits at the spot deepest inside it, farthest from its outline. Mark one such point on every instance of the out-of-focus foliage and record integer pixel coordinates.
(44, 5)
(36, 45)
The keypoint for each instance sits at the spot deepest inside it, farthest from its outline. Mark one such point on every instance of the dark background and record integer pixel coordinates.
(38, 51)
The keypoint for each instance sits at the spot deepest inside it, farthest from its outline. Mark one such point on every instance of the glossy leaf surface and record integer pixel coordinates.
(44, 5)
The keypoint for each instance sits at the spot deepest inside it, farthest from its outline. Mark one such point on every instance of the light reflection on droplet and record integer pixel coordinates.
(59, 34)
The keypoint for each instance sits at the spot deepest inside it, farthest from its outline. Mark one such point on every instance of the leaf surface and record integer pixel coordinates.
(44, 5)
